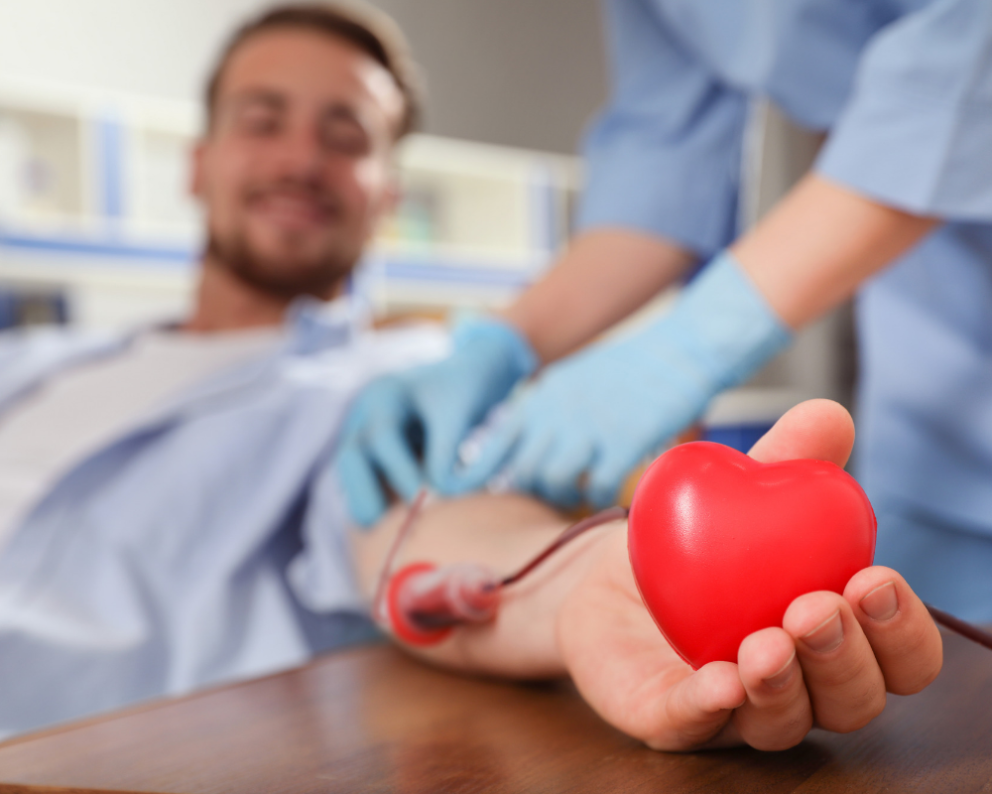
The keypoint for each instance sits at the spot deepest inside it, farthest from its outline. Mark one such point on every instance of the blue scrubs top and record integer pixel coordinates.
(905, 89)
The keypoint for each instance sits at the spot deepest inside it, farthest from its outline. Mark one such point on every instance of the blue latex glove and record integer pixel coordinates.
(434, 405)
(603, 410)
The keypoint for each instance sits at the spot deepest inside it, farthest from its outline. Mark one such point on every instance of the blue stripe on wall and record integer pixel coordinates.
(79, 247)
(416, 270)
(110, 156)
(395, 268)
(543, 210)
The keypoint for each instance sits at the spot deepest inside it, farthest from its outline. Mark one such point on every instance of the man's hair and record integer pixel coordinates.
(366, 28)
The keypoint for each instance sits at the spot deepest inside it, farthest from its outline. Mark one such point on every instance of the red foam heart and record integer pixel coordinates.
(721, 544)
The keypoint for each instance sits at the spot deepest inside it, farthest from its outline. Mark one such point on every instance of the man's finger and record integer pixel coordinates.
(845, 684)
(815, 429)
(696, 709)
(903, 636)
(777, 714)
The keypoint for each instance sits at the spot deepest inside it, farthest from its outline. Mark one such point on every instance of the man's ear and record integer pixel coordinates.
(197, 177)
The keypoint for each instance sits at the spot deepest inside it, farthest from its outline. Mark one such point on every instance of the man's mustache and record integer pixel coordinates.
(325, 198)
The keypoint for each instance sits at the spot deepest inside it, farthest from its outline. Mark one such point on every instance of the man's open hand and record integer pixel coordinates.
(829, 665)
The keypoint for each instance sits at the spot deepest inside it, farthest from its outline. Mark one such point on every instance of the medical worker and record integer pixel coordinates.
(898, 206)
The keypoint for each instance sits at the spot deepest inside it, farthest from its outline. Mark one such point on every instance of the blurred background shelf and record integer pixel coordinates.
(94, 207)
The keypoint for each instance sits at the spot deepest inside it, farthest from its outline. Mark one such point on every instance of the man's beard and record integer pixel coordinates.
(286, 279)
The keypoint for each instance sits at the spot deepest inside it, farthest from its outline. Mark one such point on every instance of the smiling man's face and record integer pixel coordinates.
(294, 172)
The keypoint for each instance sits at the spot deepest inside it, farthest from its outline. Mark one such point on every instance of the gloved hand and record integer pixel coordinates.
(603, 410)
(432, 406)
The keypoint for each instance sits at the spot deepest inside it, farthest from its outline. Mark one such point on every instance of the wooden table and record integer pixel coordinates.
(373, 720)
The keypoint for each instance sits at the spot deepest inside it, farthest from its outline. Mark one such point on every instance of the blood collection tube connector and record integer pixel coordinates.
(424, 603)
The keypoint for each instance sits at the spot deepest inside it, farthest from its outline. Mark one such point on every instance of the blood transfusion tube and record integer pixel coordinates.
(423, 603)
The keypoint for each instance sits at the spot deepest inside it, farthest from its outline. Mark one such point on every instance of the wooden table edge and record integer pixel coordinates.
(168, 700)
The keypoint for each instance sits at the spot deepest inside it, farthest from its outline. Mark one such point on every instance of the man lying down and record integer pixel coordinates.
(173, 520)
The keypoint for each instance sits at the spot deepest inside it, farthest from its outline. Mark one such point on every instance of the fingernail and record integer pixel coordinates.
(827, 636)
(881, 603)
(783, 676)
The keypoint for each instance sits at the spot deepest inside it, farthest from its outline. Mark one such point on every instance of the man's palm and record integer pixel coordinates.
(830, 663)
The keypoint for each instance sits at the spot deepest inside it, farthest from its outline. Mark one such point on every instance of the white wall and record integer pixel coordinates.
(159, 48)
(515, 72)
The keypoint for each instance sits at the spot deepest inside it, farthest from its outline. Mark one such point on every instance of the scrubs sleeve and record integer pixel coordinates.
(664, 157)
(917, 131)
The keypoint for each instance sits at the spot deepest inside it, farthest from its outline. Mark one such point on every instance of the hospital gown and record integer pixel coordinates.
(206, 543)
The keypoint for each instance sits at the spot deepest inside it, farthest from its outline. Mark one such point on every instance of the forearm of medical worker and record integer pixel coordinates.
(584, 416)
(808, 255)
(585, 425)
(605, 275)
(813, 250)
(829, 664)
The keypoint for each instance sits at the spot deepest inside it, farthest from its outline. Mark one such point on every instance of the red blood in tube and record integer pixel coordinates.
(400, 621)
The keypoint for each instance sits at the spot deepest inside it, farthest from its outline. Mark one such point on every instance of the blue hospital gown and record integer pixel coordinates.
(207, 542)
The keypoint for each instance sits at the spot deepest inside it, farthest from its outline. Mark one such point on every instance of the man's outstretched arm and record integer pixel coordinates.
(502, 533)
(580, 614)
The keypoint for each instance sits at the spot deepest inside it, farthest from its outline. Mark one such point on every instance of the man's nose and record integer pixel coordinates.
(300, 154)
